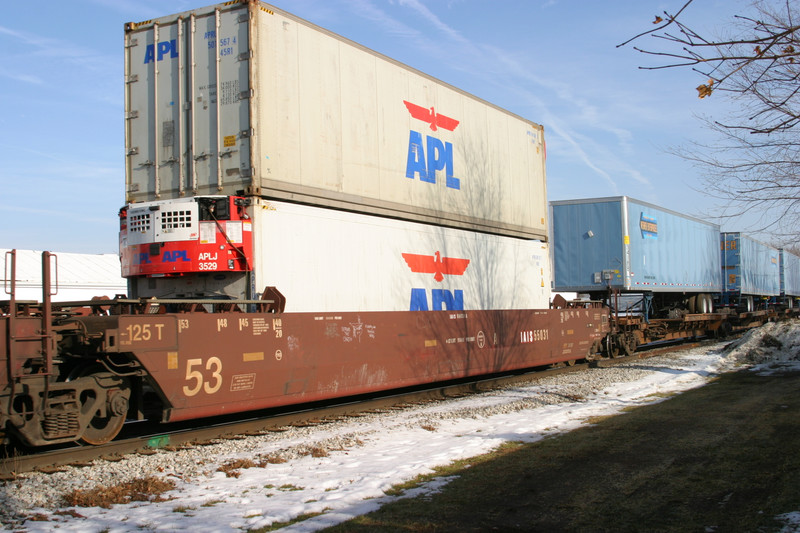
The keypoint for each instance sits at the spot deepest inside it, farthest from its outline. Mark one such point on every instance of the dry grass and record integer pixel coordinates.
(138, 490)
(231, 468)
(318, 451)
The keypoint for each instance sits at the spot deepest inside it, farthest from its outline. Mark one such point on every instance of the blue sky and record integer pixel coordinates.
(608, 124)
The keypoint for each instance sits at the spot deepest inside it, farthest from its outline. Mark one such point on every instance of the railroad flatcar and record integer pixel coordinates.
(78, 371)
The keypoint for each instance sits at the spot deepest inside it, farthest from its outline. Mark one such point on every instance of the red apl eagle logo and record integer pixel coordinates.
(436, 265)
(430, 116)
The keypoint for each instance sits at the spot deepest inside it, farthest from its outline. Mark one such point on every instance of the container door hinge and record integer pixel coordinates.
(244, 17)
(244, 134)
(247, 172)
(245, 56)
(244, 95)
(133, 151)
(132, 114)
(132, 78)
(131, 43)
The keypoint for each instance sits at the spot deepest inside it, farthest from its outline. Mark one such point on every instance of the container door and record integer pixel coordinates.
(187, 104)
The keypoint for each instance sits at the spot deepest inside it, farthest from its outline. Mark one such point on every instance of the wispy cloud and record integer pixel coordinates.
(19, 76)
(56, 49)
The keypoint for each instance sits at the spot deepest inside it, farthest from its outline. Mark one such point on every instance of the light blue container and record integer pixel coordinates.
(632, 246)
(749, 267)
(790, 274)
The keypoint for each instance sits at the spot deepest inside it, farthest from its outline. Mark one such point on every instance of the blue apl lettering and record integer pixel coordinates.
(144, 259)
(174, 256)
(164, 47)
(440, 157)
(441, 300)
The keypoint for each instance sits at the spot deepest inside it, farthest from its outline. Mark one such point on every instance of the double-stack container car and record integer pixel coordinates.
(244, 100)
(274, 166)
(637, 248)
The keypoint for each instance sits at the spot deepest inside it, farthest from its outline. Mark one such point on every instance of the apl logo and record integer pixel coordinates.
(439, 154)
(169, 256)
(436, 120)
(438, 266)
(164, 48)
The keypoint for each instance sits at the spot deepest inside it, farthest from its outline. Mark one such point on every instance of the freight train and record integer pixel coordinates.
(307, 219)
(664, 274)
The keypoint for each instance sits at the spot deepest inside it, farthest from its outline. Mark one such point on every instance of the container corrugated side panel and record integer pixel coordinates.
(759, 266)
(791, 274)
(247, 98)
(343, 126)
(327, 260)
(187, 104)
(672, 252)
(588, 240)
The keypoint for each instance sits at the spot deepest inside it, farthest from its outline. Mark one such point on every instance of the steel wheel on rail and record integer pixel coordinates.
(629, 343)
(102, 428)
(612, 346)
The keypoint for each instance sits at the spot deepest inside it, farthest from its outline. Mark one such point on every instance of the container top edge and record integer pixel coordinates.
(611, 199)
(270, 9)
(748, 237)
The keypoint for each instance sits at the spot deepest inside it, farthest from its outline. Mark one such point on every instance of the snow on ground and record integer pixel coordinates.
(343, 469)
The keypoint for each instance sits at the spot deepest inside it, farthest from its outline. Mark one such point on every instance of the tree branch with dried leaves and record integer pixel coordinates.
(755, 166)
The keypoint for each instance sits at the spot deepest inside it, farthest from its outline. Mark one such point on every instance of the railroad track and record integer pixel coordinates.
(144, 438)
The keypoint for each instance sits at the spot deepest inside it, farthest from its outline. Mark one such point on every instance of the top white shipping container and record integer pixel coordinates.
(243, 98)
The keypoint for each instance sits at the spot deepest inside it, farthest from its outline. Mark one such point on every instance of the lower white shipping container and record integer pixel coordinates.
(327, 260)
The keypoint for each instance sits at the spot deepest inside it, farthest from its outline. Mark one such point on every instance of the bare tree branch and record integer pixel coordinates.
(755, 165)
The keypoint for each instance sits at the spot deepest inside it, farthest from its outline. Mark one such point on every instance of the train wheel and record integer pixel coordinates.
(629, 344)
(612, 346)
(102, 429)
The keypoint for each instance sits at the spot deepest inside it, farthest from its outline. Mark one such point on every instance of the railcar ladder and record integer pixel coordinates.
(44, 335)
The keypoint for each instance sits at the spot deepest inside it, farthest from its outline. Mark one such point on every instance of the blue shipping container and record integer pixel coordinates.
(632, 245)
(790, 274)
(749, 266)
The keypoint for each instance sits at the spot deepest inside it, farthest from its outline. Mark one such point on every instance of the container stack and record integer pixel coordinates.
(369, 186)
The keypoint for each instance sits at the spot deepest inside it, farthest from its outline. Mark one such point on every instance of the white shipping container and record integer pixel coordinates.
(243, 98)
(327, 260)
